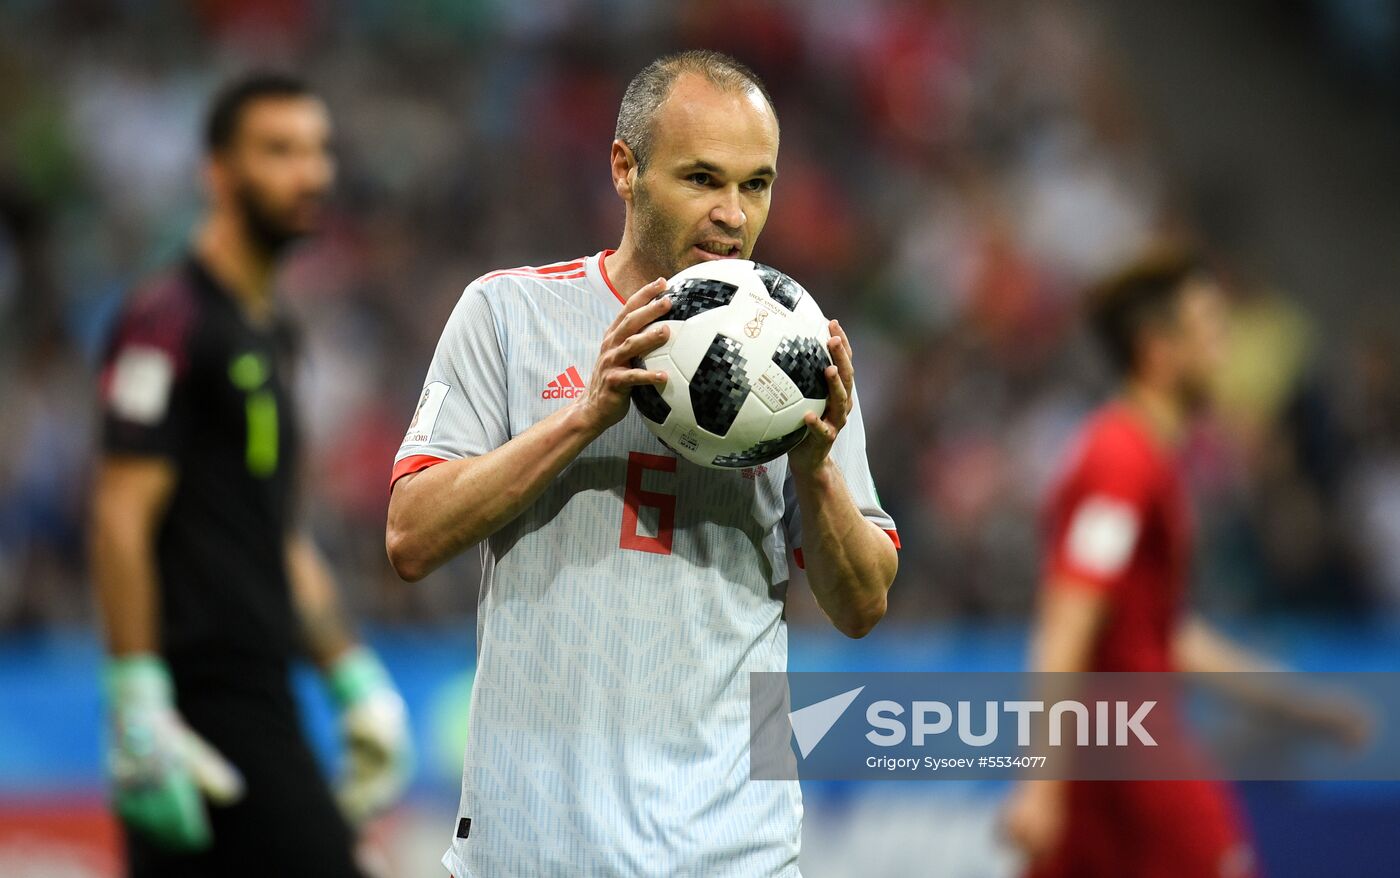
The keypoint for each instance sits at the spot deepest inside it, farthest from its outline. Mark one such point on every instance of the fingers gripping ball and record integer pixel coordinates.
(746, 360)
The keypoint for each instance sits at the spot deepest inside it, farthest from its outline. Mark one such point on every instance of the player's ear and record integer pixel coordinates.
(624, 169)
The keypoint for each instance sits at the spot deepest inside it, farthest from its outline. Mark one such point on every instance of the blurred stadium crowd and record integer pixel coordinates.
(952, 174)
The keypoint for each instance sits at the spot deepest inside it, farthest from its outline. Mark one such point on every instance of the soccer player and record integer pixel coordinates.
(628, 594)
(1119, 556)
(208, 588)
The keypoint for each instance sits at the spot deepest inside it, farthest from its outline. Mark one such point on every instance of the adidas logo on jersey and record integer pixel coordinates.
(569, 385)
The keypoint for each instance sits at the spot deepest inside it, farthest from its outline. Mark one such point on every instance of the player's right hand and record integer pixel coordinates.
(629, 338)
(159, 767)
(1033, 818)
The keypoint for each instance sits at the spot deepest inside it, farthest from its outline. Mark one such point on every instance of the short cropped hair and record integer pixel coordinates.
(1143, 295)
(226, 110)
(650, 87)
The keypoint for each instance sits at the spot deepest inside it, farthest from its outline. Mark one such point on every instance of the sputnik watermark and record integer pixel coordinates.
(1121, 726)
(1112, 721)
(890, 731)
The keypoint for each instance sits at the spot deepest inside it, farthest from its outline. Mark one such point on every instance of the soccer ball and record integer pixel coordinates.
(746, 361)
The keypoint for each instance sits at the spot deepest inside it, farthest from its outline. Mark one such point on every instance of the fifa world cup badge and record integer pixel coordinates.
(419, 411)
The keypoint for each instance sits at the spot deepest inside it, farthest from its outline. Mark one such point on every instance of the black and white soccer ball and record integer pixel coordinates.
(746, 360)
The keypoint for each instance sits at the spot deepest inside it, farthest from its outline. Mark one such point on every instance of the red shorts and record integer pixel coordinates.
(1150, 829)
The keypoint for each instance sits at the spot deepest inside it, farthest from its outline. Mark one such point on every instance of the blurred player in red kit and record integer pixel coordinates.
(1118, 560)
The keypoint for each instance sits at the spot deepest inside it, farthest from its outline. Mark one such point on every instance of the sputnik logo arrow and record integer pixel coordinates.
(811, 723)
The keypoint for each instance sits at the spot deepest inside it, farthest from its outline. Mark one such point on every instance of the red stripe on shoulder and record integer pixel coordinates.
(160, 313)
(414, 463)
(532, 275)
(563, 266)
(555, 270)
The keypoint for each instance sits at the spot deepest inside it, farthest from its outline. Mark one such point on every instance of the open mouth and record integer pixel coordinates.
(717, 250)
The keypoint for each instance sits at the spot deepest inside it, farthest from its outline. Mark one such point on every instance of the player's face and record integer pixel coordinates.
(706, 188)
(1201, 341)
(279, 167)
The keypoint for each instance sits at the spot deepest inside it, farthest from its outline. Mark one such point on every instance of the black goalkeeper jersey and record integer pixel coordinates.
(188, 377)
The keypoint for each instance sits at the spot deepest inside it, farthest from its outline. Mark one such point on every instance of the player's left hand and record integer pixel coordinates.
(162, 770)
(841, 383)
(374, 723)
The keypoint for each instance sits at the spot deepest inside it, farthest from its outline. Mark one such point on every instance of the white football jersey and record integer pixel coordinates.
(619, 615)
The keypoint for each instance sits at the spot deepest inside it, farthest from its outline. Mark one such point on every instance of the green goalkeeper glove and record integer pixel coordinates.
(158, 766)
(374, 723)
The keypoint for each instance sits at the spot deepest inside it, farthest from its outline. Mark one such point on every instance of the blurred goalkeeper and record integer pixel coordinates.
(208, 588)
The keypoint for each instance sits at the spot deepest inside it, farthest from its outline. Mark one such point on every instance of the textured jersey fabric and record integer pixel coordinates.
(619, 614)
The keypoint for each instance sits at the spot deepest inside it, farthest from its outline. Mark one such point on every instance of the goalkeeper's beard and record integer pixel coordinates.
(270, 233)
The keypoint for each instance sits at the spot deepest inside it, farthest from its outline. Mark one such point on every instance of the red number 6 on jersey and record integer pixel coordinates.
(636, 497)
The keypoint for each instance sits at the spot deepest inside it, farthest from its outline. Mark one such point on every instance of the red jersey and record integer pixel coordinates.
(1119, 523)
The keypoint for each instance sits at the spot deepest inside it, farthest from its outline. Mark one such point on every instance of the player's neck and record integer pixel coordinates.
(237, 263)
(1163, 415)
(628, 269)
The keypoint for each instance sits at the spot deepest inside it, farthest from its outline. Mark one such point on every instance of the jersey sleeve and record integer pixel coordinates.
(849, 454)
(1100, 516)
(145, 386)
(461, 410)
